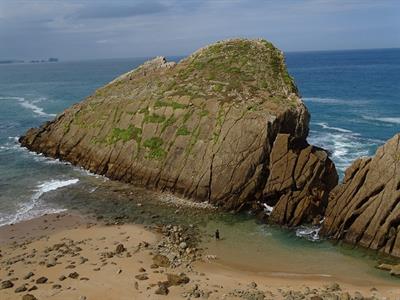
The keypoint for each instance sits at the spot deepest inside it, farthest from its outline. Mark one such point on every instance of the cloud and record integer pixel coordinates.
(122, 10)
(75, 29)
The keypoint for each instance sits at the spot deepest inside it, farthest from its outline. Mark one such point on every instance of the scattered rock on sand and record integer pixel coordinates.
(73, 275)
(41, 280)
(32, 288)
(6, 284)
(62, 278)
(29, 297)
(161, 261)
(142, 276)
(21, 289)
(29, 275)
(51, 262)
(120, 248)
(174, 279)
(162, 289)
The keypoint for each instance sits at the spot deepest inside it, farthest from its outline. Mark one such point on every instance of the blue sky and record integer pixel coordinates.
(72, 29)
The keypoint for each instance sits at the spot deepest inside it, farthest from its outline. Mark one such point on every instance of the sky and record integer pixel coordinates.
(85, 29)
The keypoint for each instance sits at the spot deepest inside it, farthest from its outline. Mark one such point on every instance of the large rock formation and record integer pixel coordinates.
(365, 208)
(301, 177)
(203, 128)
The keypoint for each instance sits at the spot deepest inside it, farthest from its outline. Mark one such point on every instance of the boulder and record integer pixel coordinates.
(202, 128)
(365, 208)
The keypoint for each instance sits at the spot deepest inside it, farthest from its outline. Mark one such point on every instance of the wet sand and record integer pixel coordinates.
(102, 261)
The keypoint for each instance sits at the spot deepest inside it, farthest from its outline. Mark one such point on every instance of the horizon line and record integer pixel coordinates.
(27, 60)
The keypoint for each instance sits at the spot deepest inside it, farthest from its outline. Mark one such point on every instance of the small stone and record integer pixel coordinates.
(142, 270)
(136, 285)
(253, 285)
(73, 275)
(6, 284)
(41, 280)
(56, 286)
(142, 277)
(29, 297)
(62, 278)
(120, 248)
(153, 266)
(29, 275)
(33, 288)
(162, 289)
(161, 261)
(174, 279)
(21, 289)
(183, 245)
(51, 262)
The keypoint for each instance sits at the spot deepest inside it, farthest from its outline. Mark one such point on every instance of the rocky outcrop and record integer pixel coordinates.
(365, 208)
(203, 128)
(301, 177)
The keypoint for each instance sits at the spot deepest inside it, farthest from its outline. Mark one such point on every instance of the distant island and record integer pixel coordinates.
(34, 61)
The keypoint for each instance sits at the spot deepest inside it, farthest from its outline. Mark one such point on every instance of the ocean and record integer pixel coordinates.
(353, 98)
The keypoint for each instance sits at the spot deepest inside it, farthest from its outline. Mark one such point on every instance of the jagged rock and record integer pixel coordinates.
(365, 208)
(6, 284)
(301, 177)
(119, 249)
(21, 288)
(161, 260)
(175, 279)
(202, 128)
(73, 275)
(162, 289)
(41, 280)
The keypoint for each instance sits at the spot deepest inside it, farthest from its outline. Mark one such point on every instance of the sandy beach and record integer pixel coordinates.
(66, 256)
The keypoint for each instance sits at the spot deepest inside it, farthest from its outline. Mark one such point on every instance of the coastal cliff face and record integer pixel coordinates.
(203, 128)
(301, 177)
(365, 208)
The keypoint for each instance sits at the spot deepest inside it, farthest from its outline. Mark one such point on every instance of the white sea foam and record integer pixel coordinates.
(31, 105)
(310, 233)
(344, 147)
(325, 126)
(31, 208)
(334, 101)
(393, 120)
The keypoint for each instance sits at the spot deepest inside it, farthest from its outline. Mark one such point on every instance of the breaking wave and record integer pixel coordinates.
(31, 105)
(32, 208)
(393, 120)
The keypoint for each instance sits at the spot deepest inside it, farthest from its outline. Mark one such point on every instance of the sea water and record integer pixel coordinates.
(354, 101)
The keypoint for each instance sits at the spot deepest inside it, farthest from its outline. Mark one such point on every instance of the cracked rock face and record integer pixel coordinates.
(203, 128)
(365, 208)
(301, 177)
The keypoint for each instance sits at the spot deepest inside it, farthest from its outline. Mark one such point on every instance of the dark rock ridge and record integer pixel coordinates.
(365, 208)
(301, 177)
(203, 128)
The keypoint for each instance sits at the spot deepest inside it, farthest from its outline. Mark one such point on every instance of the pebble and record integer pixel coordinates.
(29, 297)
(29, 275)
(21, 289)
(142, 277)
(73, 275)
(6, 284)
(41, 280)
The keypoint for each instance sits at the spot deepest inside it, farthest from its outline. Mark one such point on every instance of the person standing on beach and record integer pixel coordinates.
(217, 234)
